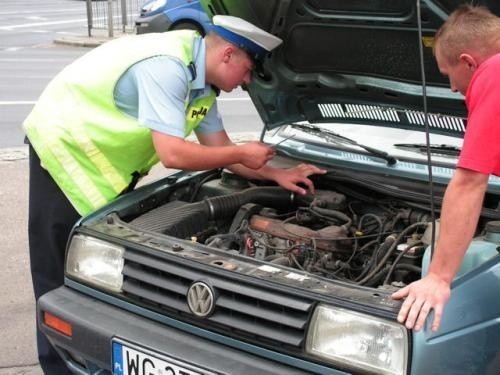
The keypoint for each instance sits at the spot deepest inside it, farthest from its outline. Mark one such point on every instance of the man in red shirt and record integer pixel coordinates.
(467, 50)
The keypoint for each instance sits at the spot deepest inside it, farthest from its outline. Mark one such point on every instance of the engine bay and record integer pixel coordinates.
(359, 234)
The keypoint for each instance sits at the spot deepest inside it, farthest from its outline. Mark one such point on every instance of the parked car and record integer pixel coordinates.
(165, 15)
(210, 273)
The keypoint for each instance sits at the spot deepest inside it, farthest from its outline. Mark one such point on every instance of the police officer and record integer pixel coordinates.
(107, 118)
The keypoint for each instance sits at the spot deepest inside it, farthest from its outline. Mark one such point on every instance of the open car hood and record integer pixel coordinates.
(352, 61)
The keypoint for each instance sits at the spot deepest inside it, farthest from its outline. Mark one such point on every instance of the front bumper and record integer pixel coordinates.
(95, 324)
(153, 24)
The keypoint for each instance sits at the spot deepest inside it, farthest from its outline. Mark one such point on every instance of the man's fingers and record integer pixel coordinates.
(429, 293)
(413, 313)
(315, 170)
(307, 182)
(422, 315)
(297, 189)
(401, 293)
(438, 313)
(405, 308)
(319, 170)
(309, 169)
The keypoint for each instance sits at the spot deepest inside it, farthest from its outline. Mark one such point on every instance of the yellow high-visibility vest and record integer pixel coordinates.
(91, 148)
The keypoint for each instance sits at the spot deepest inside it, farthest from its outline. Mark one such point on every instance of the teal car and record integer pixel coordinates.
(209, 273)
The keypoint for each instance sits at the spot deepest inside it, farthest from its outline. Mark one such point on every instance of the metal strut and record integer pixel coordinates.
(426, 126)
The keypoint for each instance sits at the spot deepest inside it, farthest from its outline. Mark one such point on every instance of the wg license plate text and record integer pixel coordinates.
(129, 360)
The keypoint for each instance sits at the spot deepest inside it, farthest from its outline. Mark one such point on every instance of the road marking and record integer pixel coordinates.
(37, 59)
(38, 11)
(24, 76)
(18, 102)
(36, 18)
(13, 27)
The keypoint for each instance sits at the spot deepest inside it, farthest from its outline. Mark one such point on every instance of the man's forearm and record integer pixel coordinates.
(460, 213)
(178, 153)
(193, 156)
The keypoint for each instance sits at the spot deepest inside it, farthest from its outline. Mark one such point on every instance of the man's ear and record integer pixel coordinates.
(469, 61)
(226, 53)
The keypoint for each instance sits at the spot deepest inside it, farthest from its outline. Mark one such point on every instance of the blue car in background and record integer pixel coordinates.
(165, 15)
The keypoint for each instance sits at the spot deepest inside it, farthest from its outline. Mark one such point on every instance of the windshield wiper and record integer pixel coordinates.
(434, 148)
(333, 137)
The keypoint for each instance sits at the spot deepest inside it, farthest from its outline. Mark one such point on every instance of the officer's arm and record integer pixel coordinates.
(175, 152)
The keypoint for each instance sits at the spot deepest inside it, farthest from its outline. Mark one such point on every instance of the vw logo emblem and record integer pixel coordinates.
(200, 298)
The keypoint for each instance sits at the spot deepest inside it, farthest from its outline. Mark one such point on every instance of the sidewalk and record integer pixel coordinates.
(17, 328)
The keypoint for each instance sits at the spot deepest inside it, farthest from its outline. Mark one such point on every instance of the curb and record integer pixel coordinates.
(80, 41)
(99, 37)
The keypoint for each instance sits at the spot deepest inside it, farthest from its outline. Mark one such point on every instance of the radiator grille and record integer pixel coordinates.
(241, 311)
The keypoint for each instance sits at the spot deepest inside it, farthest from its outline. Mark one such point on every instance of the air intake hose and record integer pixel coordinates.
(183, 220)
(222, 207)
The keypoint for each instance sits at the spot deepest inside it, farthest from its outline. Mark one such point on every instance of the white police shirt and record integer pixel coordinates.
(153, 91)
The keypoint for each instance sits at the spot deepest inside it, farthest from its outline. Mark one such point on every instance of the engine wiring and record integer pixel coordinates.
(363, 255)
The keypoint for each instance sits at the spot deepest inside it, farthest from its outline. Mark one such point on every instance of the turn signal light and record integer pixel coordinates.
(58, 324)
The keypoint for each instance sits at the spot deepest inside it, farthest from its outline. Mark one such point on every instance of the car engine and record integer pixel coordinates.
(355, 235)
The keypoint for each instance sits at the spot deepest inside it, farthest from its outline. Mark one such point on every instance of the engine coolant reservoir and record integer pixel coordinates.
(480, 250)
(229, 183)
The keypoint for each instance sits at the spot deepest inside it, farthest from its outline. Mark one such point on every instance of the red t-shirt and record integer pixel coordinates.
(481, 147)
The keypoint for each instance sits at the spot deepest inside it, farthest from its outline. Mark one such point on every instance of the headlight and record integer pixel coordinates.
(153, 5)
(358, 341)
(97, 262)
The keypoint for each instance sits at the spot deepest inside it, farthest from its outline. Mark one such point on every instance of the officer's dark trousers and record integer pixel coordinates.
(51, 217)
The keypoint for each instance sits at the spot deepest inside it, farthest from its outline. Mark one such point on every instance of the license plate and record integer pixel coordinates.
(130, 359)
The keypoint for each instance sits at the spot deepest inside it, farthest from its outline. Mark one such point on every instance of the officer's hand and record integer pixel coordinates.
(255, 155)
(292, 178)
(430, 292)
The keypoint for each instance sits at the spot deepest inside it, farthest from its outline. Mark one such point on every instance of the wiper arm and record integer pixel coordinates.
(333, 137)
(434, 148)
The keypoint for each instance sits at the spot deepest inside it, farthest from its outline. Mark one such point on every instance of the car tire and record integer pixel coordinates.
(188, 26)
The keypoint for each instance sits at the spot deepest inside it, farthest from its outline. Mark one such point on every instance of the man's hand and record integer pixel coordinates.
(462, 204)
(255, 155)
(430, 292)
(290, 178)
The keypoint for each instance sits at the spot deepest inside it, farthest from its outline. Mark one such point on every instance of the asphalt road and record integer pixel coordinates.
(28, 60)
